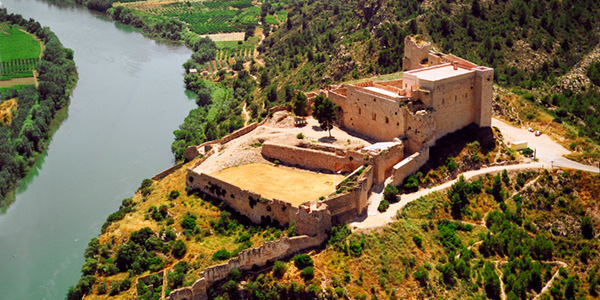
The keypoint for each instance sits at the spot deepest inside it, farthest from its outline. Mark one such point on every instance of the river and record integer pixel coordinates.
(129, 99)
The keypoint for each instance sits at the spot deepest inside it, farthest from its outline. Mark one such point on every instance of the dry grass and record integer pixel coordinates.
(275, 182)
(6, 108)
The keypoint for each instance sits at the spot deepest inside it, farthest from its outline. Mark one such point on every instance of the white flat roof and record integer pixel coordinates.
(381, 91)
(381, 146)
(439, 72)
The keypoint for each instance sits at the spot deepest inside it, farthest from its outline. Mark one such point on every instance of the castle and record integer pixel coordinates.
(438, 94)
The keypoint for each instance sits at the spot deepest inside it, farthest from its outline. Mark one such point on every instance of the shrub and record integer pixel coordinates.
(527, 151)
(279, 269)
(179, 249)
(174, 195)
(101, 289)
(383, 205)
(587, 228)
(308, 273)
(221, 255)
(421, 275)
(451, 164)
(300, 136)
(125, 284)
(412, 184)
(146, 187)
(418, 240)
(390, 192)
(188, 221)
(302, 261)
(115, 287)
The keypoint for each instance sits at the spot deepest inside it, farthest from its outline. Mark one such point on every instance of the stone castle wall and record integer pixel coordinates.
(409, 166)
(192, 152)
(347, 206)
(236, 134)
(259, 209)
(312, 159)
(247, 259)
(371, 114)
(384, 161)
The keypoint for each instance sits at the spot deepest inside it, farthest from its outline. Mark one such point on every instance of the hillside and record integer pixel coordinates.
(503, 236)
(518, 231)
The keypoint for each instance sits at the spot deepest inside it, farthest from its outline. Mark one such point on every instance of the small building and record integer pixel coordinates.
(519, 145)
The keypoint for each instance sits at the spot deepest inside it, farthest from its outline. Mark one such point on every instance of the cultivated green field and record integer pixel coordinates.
(16, 44)
(19, 52)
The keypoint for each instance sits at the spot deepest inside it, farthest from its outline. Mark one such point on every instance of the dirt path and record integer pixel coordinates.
(549, 152)
(502, 292)
(245, 115)
(17, 81)
(549, 283)
(381, 219)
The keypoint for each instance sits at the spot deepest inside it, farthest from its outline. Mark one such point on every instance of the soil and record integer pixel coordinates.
(277, 182)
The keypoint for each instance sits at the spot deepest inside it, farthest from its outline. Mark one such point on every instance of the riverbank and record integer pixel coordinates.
(30, 131)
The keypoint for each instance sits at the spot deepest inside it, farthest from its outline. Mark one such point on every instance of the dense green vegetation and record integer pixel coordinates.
(19, 52)
(28, 134)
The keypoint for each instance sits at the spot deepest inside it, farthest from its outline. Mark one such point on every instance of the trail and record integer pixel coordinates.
(245, 115)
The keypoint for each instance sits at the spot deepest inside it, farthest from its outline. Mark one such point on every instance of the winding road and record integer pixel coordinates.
(549, 153)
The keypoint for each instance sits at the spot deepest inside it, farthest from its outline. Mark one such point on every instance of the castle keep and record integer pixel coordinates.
(387, 128)
(437, 95)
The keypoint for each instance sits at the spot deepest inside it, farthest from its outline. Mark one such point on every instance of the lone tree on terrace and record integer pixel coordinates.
(299, 104)
(324, 112)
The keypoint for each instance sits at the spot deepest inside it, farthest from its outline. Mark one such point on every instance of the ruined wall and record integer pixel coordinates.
(312, 159)
(409, 166)
(259, 209)
(384, 161)
(268, 252)
(236, 134)
(166, 172)
(484, 80)
(415, 53)
(347, 206)
(192, 152)
(372, 115)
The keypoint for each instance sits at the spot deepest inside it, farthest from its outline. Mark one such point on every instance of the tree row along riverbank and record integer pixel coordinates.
(29, 131)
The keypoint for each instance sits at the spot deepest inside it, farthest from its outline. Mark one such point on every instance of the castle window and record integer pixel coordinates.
(455, 98)
(387, 120)
(359, 110)
(443, 102)
(374, 117)
(397, 123)
(471, 87)
(396, 113)
(374, 100)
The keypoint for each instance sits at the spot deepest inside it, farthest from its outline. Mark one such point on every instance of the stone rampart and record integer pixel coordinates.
(384, 161)
(409, 166)
(259, 209)
(236, 134)
(247, 259)
(166, 172)
(347, 206)
(312, 159)
(192, 152)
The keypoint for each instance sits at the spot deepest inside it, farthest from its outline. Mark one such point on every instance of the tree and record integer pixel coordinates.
(279, 269)
(302, 261)
(324, 112)
(179, 249)
(587, 228)
(390, 193)
(264, 78)
(299, 104)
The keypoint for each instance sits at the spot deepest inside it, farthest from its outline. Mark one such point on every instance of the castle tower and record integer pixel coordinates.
(416, 52)
(483, 90)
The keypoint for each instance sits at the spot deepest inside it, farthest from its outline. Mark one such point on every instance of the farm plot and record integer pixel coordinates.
(206, 17)
(287, 184)
(19, 52)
